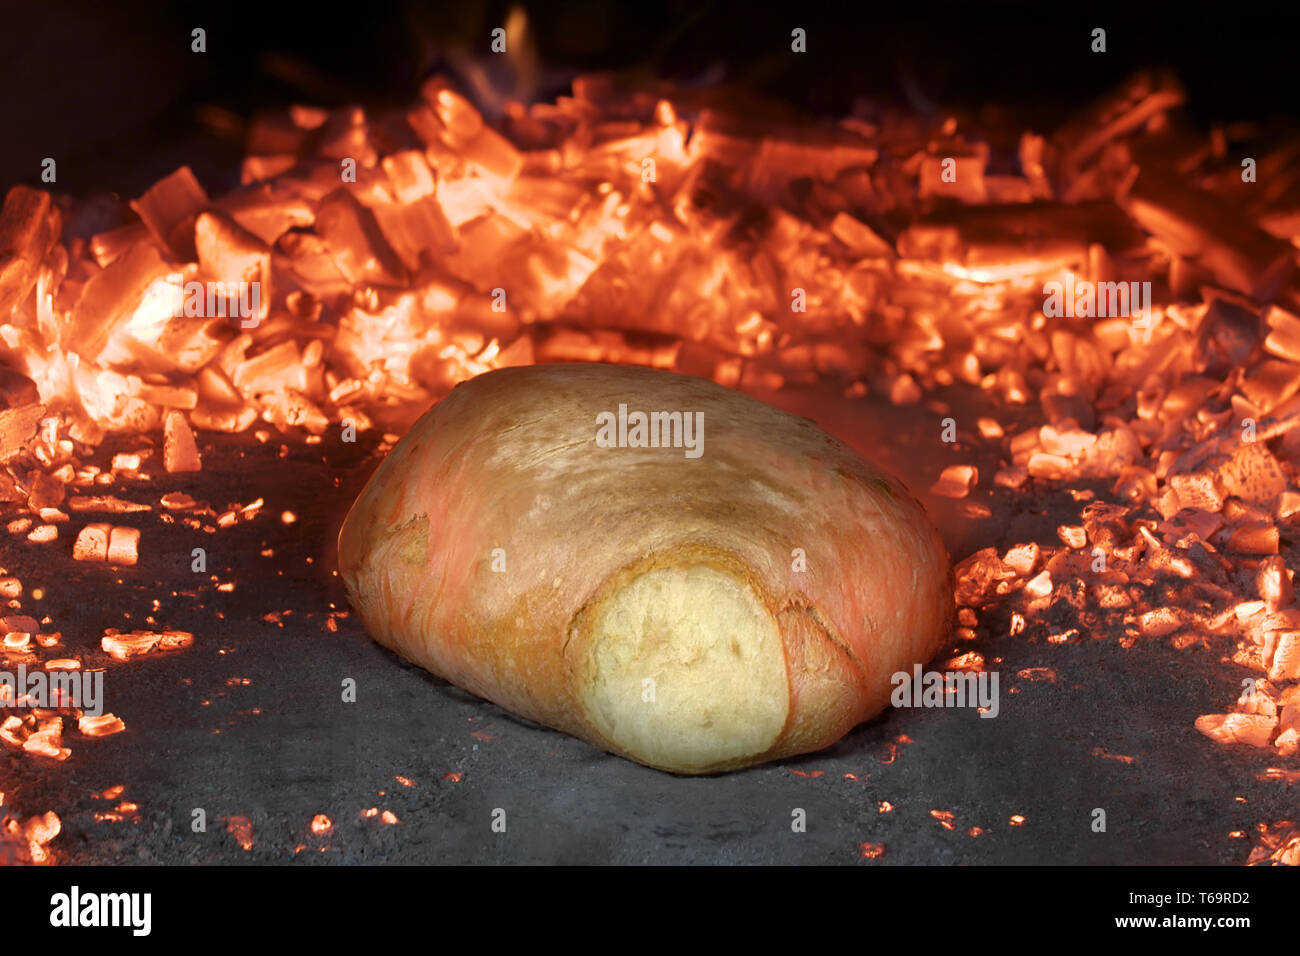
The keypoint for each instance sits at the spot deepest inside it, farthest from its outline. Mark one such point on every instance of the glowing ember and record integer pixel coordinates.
(945, 819)
(241, 828)
(101, 726)
(1037, 674)
(1103, 752)
(138, 643)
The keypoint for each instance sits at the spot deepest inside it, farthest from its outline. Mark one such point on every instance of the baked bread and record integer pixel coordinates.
(740, 591)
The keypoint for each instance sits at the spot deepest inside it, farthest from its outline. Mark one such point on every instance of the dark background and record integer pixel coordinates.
(113, 92)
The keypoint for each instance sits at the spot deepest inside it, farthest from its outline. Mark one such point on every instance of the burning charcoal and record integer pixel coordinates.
(100, 726)
(994, 242)
(1227, 336)
(1186, 398)
(17, 640)
(463, 129)
(978, 575)
(1270, 383)
(1160, 622)
(29, 225)
(1011, 477)
(777, 154)
(418, 231)
(1285, 661)
(108, 246)
(1065, 442)
(1214, 233)
(81, 503)
(177, 501)
(409, 175)
(1122, 111)
(179, 451)
(1252, 729)
(123, 545)
(47, 492)
(492, 154)
(167, 396)
(1023, 558)
(123, 647)
(1044, 465)
(17, 426)
(92, 543)
(241, 828)
(1012, 189)
(223, 417)
(344, 134)
(1253, 475)
(1256, 537)
(1073, 536)
(275, 132)
(859, 237)
(355, 241)
(277, 368)
(47, 743)
(13, 731)
(1288, 504)
(1257, 699)
(1190, 521)
(266, 217)
(184, 344)
(460, 121)
(1040, 586)
(1290, 719)
(38, 831)
(110, 297)
(903, 390)
(1114, 450)
(229, 253)
(964, 182)
(168, 208)
(16, 390)
(1284, 334)
(955, 482)
(288, 409)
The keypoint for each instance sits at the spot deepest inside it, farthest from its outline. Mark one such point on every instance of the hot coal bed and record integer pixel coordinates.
(1079, 346)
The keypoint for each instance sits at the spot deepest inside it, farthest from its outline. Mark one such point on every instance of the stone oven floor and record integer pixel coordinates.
(249, 721)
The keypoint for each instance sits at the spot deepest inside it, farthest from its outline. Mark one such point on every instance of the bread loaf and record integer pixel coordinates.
(661, 566)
